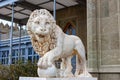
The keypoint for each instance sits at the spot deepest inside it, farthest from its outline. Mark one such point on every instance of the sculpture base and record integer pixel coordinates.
(72, 78)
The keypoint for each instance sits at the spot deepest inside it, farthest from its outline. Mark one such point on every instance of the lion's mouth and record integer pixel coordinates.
(41, 36)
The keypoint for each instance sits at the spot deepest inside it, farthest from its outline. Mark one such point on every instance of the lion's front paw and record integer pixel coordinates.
(44, 62)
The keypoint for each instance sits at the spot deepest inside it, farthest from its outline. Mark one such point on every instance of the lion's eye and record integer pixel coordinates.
(37, 22)
(47, 23)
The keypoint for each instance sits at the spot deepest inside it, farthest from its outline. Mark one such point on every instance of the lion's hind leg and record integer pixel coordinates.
(81, 70)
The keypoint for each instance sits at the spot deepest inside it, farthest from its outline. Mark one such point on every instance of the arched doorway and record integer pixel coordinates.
(70, 29)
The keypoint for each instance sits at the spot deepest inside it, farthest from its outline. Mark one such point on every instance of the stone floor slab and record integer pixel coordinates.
(73, 78)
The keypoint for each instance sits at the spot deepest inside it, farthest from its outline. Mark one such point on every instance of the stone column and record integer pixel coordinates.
(103, 27)
(109, 36)
(92, 35)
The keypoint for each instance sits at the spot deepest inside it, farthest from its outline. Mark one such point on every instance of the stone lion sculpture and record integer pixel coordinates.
(49, 41)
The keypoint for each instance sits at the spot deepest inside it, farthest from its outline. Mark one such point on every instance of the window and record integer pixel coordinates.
(30, 51)
(22, 56)
(69, 29)
(23, 51)
(4, 57)
(29, 58)
(32, 55)
(15, 55)
(35, 57)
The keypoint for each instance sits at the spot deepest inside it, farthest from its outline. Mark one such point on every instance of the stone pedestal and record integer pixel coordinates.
(73, 78)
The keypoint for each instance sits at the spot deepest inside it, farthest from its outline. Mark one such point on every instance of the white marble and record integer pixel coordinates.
(52, 43)
(72, 78)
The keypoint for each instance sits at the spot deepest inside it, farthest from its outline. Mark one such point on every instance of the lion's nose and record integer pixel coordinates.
(43, 29)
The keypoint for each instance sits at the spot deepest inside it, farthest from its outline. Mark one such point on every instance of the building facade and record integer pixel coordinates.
(103, 38)
(23, 53)
(22, 49)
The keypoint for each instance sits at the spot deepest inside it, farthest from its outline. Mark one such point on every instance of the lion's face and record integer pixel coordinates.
(41, 26)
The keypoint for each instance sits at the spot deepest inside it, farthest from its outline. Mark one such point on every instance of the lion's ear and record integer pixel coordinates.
(34, 13)
(32, 16)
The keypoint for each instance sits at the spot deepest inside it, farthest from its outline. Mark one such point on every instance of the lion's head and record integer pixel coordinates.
(40, 23)
(40, 27)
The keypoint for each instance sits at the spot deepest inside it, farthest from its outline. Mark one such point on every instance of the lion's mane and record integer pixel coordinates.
(49, 41)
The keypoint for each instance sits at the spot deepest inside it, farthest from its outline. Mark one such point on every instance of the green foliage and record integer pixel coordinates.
(13, 72)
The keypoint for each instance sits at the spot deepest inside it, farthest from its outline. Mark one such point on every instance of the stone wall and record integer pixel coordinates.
(103, 38)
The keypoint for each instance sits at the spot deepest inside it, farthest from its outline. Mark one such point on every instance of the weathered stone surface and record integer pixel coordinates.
(58, 45)
(110, 77)
(103, 37)
(110, 57)
(91, 34)
(73, 78)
